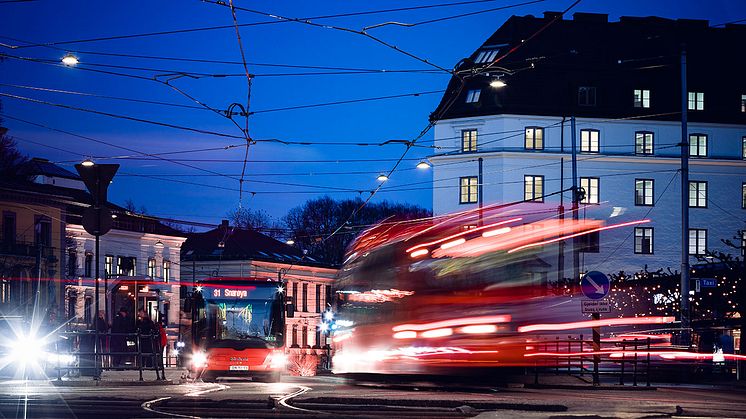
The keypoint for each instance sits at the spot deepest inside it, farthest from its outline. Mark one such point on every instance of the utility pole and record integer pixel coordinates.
(685, 334)
(575, 196)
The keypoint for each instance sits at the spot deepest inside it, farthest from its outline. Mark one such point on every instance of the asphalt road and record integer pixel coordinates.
(333, 397)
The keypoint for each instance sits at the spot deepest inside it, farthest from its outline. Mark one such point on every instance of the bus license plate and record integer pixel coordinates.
(239, 367)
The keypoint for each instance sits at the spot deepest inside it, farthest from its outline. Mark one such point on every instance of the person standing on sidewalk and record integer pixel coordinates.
(102, 327)
(145, 329)
(118, 340)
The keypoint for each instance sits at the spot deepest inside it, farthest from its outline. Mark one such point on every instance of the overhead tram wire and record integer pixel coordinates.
(243, 25)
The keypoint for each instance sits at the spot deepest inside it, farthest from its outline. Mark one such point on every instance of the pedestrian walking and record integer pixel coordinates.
(145, 330)
(119, 327)
(102, 328)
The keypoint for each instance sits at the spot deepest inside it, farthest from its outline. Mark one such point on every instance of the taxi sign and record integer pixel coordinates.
(595, 285)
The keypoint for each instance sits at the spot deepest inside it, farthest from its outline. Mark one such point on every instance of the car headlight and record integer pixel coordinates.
(277, 359)
(27, 349)
(199, 359)
(61, 359)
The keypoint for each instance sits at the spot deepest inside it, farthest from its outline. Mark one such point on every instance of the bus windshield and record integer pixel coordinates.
(242, 313)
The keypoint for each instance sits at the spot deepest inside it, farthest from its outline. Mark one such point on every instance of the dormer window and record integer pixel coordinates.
(696, 101)
(642, 98)
(487, 55)
(472, 96)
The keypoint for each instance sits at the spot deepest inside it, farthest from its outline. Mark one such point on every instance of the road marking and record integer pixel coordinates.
(148, 405)
(301, 389)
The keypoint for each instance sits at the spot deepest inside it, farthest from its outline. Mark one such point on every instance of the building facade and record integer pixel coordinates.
(241, 253)
(614, 88)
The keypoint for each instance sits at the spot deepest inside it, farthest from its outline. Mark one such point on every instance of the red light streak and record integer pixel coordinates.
(667, 355)
(595, 323)
(502, 318)
(453, 236)
(556, 239)
(419, 252)
(453, 243)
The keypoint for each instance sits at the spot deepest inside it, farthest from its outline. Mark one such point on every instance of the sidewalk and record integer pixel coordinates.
(123, 378)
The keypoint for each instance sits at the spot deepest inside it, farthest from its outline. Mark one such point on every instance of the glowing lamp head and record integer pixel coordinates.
(87, 163)
(497, 84)
(382, 178)
(290, 242)
(324, 327)
(26, 350)
(199, 359)
(423, 165)
(328, 316)
(70, 60)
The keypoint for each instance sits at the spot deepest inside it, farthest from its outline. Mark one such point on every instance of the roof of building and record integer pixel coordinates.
(545, 61)
(38, 166)
(233, 243)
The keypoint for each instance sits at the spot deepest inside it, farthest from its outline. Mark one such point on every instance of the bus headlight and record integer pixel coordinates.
(199, 359)
(277, 359)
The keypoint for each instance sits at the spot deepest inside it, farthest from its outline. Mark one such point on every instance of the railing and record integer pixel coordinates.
(575, 355)
(95, 352)
(18, 248)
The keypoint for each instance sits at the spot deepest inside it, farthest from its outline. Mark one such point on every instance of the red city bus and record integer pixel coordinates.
(460, 293)
(238, 327)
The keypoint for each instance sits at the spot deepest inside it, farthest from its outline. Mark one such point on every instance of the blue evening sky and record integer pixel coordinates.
(170, 189)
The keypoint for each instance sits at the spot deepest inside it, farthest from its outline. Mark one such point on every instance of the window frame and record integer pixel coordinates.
(486, 55)
(697, 237)
(108, 262)
(590, 131)
(651, 246)
(643, 100)
(640, 149)
(695, 101)
(533, 188)
(697, 198)
(585, 92)
(469, 137)
(743, 103)
(743, 147)
(88, 265)
(743, 195)
(699, 139)
(304, 296)
(644, 195)
(535, 130)
(152, 267)
(472, 96)
(166, 270)
(589, 180)
(468, 187)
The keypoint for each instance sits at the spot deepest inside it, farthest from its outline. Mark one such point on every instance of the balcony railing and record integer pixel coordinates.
(25, 249)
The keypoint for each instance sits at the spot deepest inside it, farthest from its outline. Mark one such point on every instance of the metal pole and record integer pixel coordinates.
(561, 209)
(575, 254)
(685, 335)
(481, 191)
(95, 316)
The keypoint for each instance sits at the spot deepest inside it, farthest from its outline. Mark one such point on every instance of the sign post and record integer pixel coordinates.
(595, 285)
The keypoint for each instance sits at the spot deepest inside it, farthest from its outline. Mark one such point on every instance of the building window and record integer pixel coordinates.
(534, 139)
(295, 336)
(151, 267)
(295, 295)
(109, 265)
(643, 142)
(304, 336)
(590, 185)
(644, 192)
(305, 297)
(696, 101)
(468, 140)
(642, 98)
(697, 145)
(587, 96)
(328, 295)
(743, 195)
(43, 234)
(589, 140)
(87, 267)
(487, 55)
(72, 303)
(87, 315)
(697, 194)
(72, 262)
(743, 147)
(9, 227)
(644, 240)
(533, 188)
(743, 243)
(472, 96)
(589, 243)
(318, 338)
(468, 190)
(743, 103)
(697, 241)
(166, 270)
(318, 298)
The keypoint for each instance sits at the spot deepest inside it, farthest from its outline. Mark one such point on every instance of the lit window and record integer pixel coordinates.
(166, 270)
(697, 145)
(533, 188)
(472, 96)
(697, 194)
(468, 190)
(743, 103)
(587, 96)
(109, 265)
(743, 147)
(644, 240)
(534, 139)
(487, 55)
(643, 142)
(697, 241)
(151, 268)
(642, 98)
(590, 186)
(644, 192)
(589, 140)
(743, 195)
(468, 140)
(88, 267)
(743, 243)
(696, 101)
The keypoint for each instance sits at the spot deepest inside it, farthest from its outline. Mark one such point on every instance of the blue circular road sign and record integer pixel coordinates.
(595, 285)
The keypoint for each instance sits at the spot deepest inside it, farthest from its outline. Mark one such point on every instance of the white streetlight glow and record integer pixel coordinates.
(382, 178)
(290, 242)
(87, 163)
(70, 60)
(498, 84)
(423, 165)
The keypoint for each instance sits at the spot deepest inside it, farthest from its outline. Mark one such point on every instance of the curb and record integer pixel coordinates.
(110, 383)
(452, 404)
(590, 387)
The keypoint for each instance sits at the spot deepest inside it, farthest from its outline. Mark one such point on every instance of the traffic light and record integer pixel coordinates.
(579, 194)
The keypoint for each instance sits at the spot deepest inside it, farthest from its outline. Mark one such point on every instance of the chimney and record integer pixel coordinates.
(224, 224)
